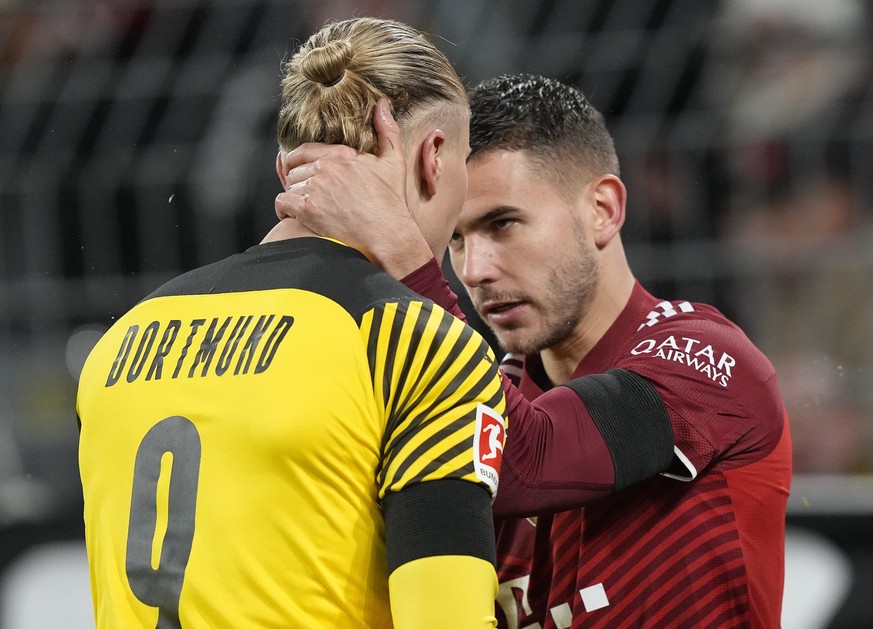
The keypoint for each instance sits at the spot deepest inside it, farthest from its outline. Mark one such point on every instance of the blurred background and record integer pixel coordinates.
(137, 141)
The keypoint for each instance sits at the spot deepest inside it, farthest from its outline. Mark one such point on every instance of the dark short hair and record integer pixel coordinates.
(550, 120)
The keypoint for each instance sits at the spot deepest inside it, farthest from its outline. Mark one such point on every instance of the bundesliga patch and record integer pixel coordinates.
(488, 445)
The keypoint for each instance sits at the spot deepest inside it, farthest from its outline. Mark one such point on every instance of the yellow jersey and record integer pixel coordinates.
(243, 428)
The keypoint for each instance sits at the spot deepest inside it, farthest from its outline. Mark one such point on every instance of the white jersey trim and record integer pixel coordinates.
(681, 461)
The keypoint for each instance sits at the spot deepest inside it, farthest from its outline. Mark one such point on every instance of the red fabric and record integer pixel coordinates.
(704, 551)
(760, 523)
(428, 281)
(668, 553)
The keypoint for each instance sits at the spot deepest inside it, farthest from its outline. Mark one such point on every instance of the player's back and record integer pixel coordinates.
(231, 433)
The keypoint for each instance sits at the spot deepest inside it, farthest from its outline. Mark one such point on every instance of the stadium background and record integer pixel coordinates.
(136, 141)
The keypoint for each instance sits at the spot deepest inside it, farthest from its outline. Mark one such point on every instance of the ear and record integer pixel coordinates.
(430, 160)
(609, 197)
(280, 167)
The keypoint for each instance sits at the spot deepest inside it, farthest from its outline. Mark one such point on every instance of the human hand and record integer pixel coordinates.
(357, 198)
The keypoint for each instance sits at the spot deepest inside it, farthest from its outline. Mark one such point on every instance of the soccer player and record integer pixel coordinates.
(623, 537)
(289, 437)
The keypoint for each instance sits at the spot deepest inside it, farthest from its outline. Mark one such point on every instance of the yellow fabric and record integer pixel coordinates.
(444, 591)
(285, 439)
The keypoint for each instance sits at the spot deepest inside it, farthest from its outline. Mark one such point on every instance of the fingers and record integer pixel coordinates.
(307, 160)
(313, 151)
(298, 175)
(288, 204)
(387, 130)
(292, 202)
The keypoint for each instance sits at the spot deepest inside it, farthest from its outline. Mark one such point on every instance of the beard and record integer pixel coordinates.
(567, 293)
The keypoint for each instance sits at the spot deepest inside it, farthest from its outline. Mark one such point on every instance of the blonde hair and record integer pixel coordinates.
(333, 81)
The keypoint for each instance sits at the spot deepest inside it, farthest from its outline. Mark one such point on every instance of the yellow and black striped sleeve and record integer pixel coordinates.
(435, 377)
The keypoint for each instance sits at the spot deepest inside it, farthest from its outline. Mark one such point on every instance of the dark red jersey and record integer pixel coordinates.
(699, 545)
(673, 440)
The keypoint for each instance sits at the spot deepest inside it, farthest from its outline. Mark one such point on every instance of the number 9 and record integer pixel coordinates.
(162, 587)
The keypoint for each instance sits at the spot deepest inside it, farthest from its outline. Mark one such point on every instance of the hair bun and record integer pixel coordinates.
(326, 64)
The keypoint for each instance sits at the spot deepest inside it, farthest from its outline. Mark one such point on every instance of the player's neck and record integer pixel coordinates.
(287, 228)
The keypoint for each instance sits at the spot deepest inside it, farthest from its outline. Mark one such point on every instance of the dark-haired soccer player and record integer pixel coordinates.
(695, 539)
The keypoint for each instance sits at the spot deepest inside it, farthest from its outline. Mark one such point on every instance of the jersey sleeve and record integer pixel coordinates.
(442, 448)
(720, 391)
(579, 443)
(462, 597)
(439, 384)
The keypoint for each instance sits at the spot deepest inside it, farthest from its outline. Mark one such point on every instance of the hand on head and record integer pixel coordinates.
(356, 198)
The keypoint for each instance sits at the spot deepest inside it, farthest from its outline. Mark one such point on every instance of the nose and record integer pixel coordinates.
(475, 264)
